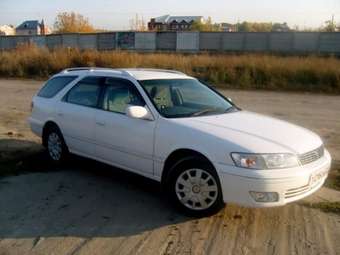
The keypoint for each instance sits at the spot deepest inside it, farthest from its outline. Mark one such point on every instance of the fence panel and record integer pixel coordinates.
(187, 41)
(2, 42)
(39, 41)
(211, 41)
(233, 41)
(166, 41)
(106, 41)
(306, 41)
(126, 40)
(70, 40)
(145, 41)
(20, 40)
(256, 42)
(53, 41)
(281, 41)
(287, 42)
(329, 42)
(87, 41)
(8, 42)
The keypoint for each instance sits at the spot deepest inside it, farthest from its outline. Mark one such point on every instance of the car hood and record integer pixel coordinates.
(256, 132)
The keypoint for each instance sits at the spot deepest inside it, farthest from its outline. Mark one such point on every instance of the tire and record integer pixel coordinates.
(57, 150)
(194, 187)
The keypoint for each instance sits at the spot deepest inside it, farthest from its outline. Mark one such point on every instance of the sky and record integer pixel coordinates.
(117, 14)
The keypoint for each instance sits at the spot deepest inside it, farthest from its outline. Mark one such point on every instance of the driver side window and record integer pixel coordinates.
(161, 95)
(119, 94)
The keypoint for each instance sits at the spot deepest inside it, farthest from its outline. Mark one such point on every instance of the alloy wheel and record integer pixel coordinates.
(196, 189)
(54, 145)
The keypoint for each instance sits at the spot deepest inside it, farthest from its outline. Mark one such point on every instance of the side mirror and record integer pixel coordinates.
(139, 112)
(229, 99)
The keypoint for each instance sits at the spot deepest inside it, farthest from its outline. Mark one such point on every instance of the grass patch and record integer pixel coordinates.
(328, 207)
(246, 71)
(333, 180)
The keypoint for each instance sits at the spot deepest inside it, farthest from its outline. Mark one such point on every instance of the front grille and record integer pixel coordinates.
(297, 191)
(290, 193)
(312, 156)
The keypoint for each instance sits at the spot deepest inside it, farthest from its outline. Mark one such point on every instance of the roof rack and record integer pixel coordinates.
(122, 71)
(75, 69)
(90, 69)
(153, 70)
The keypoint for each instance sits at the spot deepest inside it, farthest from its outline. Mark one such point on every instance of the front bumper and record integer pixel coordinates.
(290, 184)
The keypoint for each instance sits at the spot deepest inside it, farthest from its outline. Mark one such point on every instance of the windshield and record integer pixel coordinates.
(175, 98)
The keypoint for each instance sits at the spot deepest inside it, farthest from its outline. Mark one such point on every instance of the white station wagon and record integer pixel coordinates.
(172, 128)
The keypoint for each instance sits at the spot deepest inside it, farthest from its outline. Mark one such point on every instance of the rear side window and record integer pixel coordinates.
(54, 85)
(86, 92)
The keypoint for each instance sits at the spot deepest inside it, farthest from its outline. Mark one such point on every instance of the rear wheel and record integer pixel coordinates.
(55, 144)
(194, 187)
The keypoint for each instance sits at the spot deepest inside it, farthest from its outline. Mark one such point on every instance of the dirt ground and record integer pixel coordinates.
(91, 208)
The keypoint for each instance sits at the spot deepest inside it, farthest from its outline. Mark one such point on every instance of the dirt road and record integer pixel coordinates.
(90, 208)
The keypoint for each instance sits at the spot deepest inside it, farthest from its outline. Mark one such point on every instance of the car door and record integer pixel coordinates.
(75, 115)
(121, 140)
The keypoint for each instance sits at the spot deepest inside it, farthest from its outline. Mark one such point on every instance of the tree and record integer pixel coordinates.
(208, 26)
(255, 26)
(138, 24)
(280, 27)
(330, 26)
(197, 26)
(244, 27)
(71, 22)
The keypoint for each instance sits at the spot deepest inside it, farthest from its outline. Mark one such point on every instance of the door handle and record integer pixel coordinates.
(99, 123)
(60, 114)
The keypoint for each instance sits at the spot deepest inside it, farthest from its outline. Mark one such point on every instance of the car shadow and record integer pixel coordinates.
(82, 198)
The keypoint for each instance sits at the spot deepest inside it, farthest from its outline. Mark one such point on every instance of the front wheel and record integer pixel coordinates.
(195, 188)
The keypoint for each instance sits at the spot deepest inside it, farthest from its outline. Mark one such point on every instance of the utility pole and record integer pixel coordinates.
(333, 23)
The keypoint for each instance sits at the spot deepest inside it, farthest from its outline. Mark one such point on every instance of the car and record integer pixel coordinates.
(170, 127)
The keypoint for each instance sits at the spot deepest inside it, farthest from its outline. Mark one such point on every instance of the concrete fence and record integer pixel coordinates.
(290, 42)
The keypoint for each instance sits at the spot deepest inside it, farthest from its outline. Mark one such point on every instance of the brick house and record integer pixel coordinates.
(32, 27)
(173, 23)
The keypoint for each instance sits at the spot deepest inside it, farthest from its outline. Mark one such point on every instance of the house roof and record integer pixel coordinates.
(162, 19)
(28, 24)
(169, 19)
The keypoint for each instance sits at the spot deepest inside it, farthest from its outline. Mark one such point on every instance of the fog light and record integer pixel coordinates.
(264, 196)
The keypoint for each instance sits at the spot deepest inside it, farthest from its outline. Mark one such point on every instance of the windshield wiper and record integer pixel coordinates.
(210, 110)
(231, 109)
(204, 111)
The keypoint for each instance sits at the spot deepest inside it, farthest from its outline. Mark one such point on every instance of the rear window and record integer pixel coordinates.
(54, 85)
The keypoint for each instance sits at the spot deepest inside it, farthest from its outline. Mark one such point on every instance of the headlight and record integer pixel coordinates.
(265, 161)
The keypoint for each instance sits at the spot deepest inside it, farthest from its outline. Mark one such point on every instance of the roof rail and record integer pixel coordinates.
(154, 70)
(76, 69)
(123, 71)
